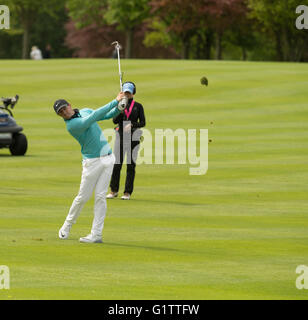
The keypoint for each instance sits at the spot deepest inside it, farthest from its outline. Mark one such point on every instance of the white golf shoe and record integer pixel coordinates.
(126, 196)
(91, 239)
(64, 232)
(112, 195)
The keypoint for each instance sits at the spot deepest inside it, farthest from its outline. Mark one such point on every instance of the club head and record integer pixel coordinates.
(116, 44)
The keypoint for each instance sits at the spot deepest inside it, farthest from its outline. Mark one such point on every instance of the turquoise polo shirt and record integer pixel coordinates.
(88, 133)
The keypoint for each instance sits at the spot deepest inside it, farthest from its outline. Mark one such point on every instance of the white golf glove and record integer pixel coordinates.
(122, 104)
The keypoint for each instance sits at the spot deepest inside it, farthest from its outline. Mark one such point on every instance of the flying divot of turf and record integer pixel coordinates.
(204, 81)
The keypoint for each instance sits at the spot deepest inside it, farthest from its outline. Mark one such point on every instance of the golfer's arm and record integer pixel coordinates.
(97, 115)
(102, 112)
(111, 114)
(118, 118)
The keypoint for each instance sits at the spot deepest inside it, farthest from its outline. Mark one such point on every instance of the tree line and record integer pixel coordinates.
(187, 29)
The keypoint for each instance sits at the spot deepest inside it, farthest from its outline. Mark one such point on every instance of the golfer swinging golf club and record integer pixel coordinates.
(97, 163)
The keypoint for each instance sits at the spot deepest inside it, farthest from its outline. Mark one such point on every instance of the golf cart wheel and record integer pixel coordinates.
(19, 145)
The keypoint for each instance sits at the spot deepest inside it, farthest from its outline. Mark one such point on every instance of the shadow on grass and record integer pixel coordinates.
(140, 247)
(113, 244)
(180, 203)
(8, 155)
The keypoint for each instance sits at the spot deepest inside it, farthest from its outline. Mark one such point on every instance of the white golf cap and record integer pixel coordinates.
(128, 87)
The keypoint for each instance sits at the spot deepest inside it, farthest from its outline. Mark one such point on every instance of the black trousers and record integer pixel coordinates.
(120, 150)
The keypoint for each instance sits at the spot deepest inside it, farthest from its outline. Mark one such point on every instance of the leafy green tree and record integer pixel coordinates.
(25, 13)
(157, 34)
(126, 16)
(277, 19)
(85, 13)
(52, 32)
(195, 25)
(181, 19)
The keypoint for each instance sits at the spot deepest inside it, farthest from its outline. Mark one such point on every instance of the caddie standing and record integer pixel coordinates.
(97, 162)
(127, 142)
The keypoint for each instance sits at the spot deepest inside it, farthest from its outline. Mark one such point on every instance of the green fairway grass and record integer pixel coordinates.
(237, 232)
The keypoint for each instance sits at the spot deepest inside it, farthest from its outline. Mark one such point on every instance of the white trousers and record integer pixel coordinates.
(96, 174)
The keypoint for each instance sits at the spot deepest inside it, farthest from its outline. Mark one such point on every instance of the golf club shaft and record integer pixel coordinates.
(124, 101)
(119, 63)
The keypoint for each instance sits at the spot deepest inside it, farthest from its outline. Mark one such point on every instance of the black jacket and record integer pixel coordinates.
(137, 117)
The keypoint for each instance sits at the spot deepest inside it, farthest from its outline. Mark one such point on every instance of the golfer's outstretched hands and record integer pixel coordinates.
(120, 96)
